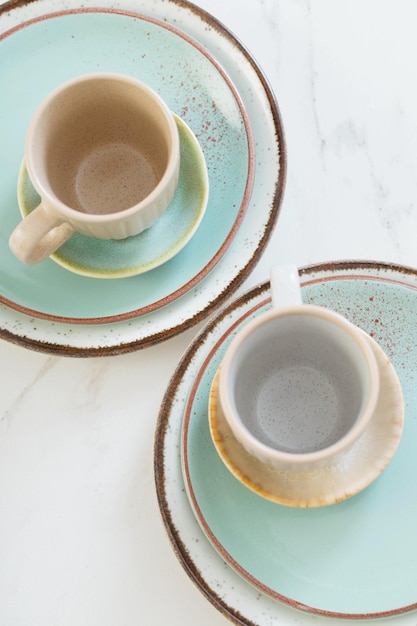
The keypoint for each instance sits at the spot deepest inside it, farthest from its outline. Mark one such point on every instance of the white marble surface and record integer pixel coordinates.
(81, 539)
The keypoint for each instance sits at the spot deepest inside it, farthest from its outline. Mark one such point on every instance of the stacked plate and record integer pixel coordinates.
(212, 84)
(354, 559)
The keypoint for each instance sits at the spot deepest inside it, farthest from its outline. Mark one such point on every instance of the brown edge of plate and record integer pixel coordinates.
(167, 403)
(220, 299)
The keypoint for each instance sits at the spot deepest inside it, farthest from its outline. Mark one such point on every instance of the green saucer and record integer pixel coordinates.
(99, 258)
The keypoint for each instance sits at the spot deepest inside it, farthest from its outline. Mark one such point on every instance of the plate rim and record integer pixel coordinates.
(163, 423)
(221, 43)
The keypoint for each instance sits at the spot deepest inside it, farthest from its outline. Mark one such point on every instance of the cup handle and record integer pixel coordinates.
(38, 235)
(285, 286)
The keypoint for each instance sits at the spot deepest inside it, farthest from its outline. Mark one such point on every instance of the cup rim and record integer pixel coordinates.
(300, 460)
(171, 171)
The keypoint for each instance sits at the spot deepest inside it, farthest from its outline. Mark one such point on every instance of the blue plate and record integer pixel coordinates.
(42, 54)
(213, 84)
(354, 559)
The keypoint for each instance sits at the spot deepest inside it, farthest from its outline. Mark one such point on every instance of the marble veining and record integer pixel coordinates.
(22, 389)
(81, 539)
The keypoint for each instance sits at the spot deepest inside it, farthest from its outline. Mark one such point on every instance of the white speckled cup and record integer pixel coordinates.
(299, 383)
(103, 153)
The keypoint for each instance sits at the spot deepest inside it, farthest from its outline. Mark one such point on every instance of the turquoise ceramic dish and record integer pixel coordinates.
(214, 85)
(100, 258)
(45, 53)
(355, 559)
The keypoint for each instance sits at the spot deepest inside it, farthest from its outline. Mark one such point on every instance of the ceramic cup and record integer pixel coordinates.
(299, 383)
(103, 153)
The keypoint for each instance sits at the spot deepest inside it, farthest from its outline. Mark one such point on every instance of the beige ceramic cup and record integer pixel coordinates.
(102, 151)
(299, 383)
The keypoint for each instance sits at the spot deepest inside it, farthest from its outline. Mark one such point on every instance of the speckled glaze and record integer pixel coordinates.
(272, 550)
(229, 107)
(99, 258)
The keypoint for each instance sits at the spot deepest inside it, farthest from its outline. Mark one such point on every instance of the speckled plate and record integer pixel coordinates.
(99, 258)
(213, 84)
(354, 559)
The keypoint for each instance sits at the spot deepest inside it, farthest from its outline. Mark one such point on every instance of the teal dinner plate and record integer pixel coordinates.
(354, 559)
(99, 258)
(216, 87)
(43, 53)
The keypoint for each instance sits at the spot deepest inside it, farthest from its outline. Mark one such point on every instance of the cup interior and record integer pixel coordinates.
(299, 383)
(102, 145)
